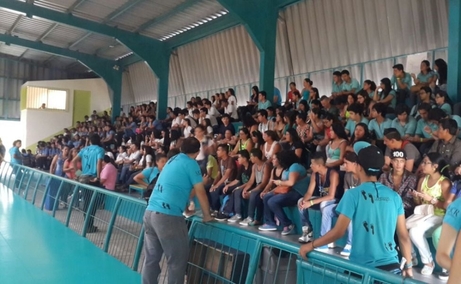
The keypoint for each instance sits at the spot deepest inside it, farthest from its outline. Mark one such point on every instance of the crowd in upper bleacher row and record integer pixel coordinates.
(305, 152)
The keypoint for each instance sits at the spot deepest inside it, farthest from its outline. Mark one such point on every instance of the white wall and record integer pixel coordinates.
(40, 124)
(100, 99)
(10, 131)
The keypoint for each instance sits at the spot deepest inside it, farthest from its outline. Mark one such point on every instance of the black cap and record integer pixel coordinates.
(371, 159)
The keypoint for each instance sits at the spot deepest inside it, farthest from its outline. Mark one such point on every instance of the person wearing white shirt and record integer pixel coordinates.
(204, 114)
(230, 109)
(212, 111)
(122, 154)
(264, 123)
(128, 162)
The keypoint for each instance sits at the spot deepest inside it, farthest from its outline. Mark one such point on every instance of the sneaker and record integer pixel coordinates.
(222, 217)
(427, 270)
(346, 251)
(267, 227)
(324, 248)
(288, 230)
(214, 213)
(255, 223)
(247, 221)
(331, 245)
(443, 275)
(307, 235)
(235, 218)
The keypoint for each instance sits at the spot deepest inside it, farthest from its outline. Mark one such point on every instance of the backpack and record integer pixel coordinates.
(150, 187)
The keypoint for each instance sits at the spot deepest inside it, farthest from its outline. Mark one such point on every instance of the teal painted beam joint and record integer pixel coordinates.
(454, 52)
(260, 20)
(154, 52)
(107, 69)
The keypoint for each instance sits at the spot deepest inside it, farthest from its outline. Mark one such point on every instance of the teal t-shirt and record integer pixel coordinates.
(264, 105)
(336, 88)
(425, 78)
(408, 129)
(446, 108)
(149, 174)
(15, 151)
(90, 156)
(353, 85)
(457, 118)
(305, 95)
(373, 243)
(406, 80)
(350, 125)
(453, 215)
(394, 98)
(379, 128)
(301, 185)
(420, 128)
(174, 185)
(279, 96)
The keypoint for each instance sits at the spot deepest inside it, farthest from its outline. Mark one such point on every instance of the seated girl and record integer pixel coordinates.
(290, 188)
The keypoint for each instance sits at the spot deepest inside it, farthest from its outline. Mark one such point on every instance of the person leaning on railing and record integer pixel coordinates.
(165, 229)
(363, 206)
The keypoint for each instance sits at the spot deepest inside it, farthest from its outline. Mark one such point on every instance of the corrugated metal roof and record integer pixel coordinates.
(7, 19)
(32, 26)
(96, 9)
(65, 34)
(185, 18)
(36, 55)
(115, 52)
(93, 43)
(59, 5)
(144, 12)
(13, 50)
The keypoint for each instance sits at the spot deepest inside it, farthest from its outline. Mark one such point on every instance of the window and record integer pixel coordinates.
(51, 98)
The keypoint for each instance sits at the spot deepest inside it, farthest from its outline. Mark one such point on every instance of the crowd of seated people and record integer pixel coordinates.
(300, 153)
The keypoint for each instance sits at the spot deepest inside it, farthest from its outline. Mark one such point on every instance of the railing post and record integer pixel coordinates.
(11, 174)
(34, 196)
(139, 247)
(110, 226)
(47, 188)
(253, 265)
(71, 205)
(21, 180)
(88, 210)
(56, 198)
(26, 190)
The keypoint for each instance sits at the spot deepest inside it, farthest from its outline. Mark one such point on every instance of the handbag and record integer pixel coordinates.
(420, 215)
(281, 189)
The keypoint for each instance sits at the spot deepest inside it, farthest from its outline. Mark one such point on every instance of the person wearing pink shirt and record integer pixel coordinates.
(108, 176)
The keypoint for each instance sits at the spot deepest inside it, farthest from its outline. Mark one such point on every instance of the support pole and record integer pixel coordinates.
(260, 21)
(454, 52)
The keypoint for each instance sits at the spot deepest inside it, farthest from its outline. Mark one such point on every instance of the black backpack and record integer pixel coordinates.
(150, 188)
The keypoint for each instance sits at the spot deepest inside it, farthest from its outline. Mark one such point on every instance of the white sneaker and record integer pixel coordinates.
(307, 235)
(246, 221)
(331, 245)
(346, 251)
(427, 270)
(235, 218)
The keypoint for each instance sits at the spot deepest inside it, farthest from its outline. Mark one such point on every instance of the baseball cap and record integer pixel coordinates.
(371, 159)
(396, 154)
(360, 145)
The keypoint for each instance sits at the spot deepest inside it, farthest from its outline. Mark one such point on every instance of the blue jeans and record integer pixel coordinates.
(273, 206)
(328, 210)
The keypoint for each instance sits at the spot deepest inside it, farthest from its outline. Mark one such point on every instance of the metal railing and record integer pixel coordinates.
(82, 208)
(218, 253)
